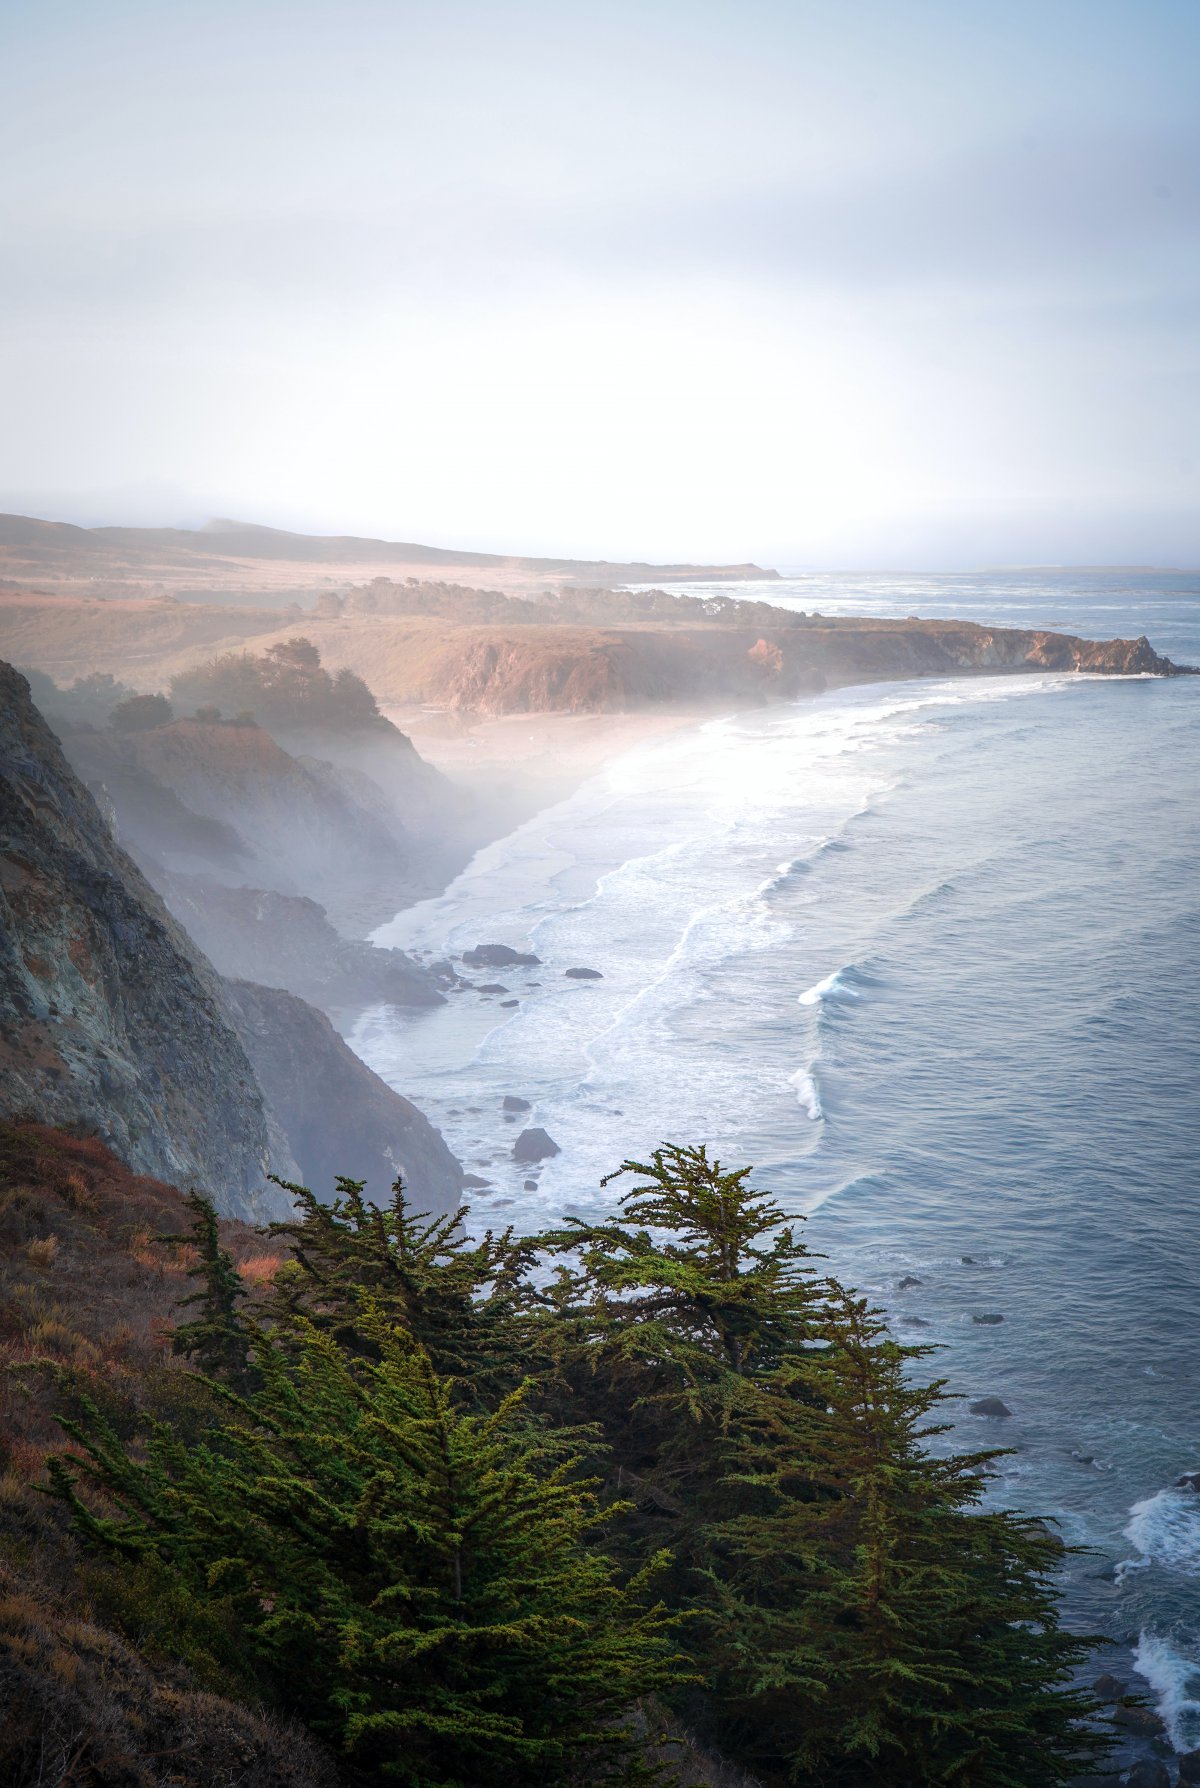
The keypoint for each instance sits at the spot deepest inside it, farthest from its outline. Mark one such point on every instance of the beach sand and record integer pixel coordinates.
(533, 760)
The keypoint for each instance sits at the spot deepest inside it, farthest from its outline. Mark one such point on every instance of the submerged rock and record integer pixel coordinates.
(1149, 1774)
(504, 1003)
(1189, 1481)
(583, 974)
(473, 1183)
(1108, 1688)
(988, 1320)
(534, 1145)
(908, 1281)
(990, 1406)
(511, 1102)
(1142, 1722)
(530, 1185)
(498, 956)
(490, 987)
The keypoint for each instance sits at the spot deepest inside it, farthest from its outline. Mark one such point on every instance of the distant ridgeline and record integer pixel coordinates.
(594, 607)
(372, 1504)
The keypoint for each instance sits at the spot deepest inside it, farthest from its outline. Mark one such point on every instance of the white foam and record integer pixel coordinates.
(1175, 1679)
(807, 1093)
(1166, 1529)
(832, 984)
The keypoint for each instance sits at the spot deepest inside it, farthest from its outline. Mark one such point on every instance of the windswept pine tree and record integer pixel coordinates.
(461, 1300)
(439, 1490)
(422, 1586)
(216, 1339)
(860, 1619)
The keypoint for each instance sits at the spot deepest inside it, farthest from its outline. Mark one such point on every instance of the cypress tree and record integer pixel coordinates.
(461, 1300)
(860, 1619)
(420, 1584)
(217, 1338)
(870, 1623)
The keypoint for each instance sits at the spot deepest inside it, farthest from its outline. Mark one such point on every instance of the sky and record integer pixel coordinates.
(819, 283)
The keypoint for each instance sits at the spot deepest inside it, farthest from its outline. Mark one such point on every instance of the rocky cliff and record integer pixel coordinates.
(109, 1017)
(580, 670)
(340, 1118)
(539, 657)
(112, 1019)
(286, 940)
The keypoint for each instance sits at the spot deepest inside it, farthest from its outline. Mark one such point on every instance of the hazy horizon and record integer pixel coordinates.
(816, 286)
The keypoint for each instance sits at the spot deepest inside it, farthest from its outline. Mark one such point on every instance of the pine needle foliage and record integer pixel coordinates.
(216, 1339)
(442, 1489)
(461, 1300)
(860, 1620)
(869, 1623)
(422, 1585)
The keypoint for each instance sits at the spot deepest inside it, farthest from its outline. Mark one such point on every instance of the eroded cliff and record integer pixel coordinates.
(109, 1016)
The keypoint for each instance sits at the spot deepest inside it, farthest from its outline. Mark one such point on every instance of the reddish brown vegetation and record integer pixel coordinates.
(89, 1295)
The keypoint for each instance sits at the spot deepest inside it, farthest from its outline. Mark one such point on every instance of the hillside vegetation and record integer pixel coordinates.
(573, 1509)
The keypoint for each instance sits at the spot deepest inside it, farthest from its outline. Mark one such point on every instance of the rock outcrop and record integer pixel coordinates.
(340, 1118)
(296, 825)
(285, 940)
(109, 1016)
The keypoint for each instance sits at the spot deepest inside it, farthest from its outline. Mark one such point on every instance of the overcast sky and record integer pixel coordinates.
(817, 282)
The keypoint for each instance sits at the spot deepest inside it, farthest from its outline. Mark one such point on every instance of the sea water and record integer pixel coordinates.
(926, 954)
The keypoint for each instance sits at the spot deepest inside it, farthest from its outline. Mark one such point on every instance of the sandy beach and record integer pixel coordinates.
(533, 759)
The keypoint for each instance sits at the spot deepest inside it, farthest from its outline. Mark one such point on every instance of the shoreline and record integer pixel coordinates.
(527, 762)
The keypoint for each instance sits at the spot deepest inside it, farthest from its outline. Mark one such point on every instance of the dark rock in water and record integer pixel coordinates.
(1189, 1767)
(534, 1145)
(498, 956)
(1142, 1722)
(1189, 1481)
(506, 1003)
(582, 974)
(914, 1322)
(967, 1261)
(1108, 1688)
(990, 1406)
(1148, 1775)
(530, 1185)
(987, 1321)
(908, 1281)
(473, 1183)
(510, 1102)
(490, 987)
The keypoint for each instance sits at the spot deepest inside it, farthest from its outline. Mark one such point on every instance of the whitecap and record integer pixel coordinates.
(807, 1093)
(1166, 1529)
(1175, 1679)
(826, 989)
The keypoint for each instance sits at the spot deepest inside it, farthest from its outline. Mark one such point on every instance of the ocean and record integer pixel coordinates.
(927, 954)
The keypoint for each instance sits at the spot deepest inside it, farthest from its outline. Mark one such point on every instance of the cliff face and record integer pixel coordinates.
(267, 817)
(286, 941)
(109, 1017)
(577, 670)
(340, 1118)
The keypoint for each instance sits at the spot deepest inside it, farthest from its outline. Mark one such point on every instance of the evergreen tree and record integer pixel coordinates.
(217, 1339)
(870, 1624)
(417, 1583)
(860, 1620)
(663, 1319)
(462, 1300)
